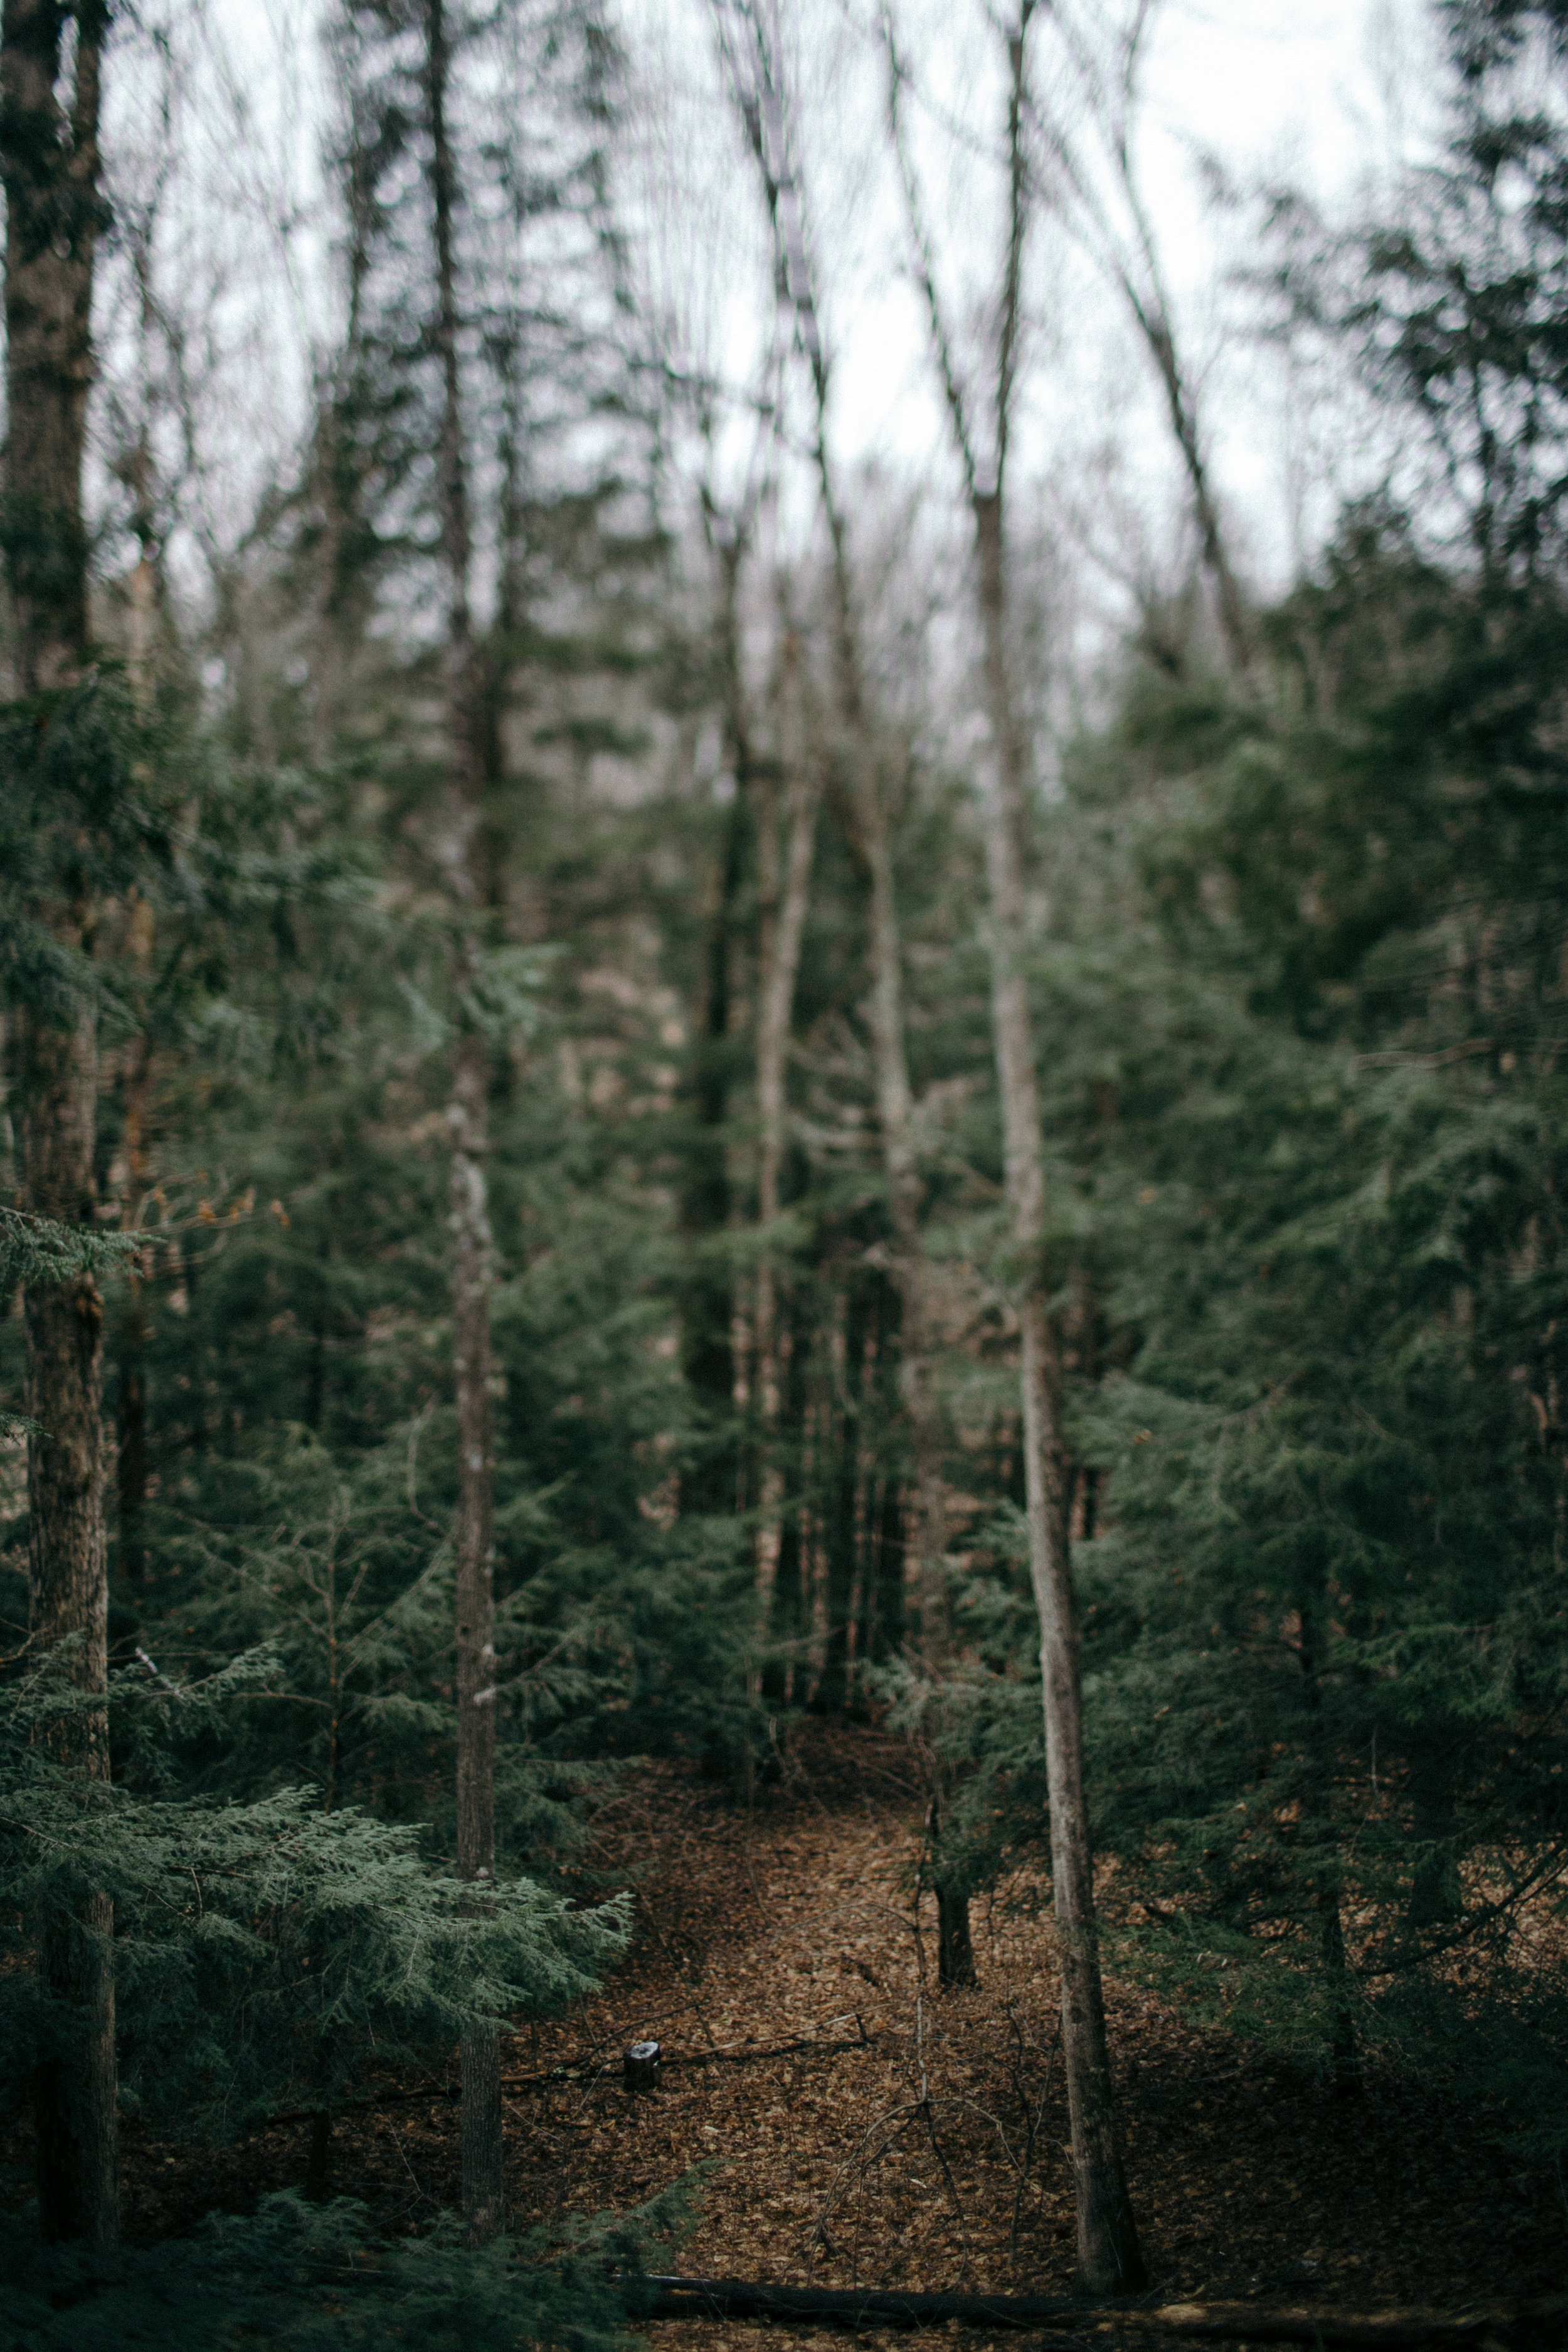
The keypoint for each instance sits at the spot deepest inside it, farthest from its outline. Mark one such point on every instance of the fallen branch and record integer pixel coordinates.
(569, 2074)
(679, 2298)
(1529, 2326)
(1532, 2327)
(772, 2049)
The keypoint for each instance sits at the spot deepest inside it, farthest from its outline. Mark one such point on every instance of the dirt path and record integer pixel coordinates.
(934, 2155)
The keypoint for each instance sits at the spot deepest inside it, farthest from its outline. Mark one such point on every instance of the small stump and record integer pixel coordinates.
(640, 2071)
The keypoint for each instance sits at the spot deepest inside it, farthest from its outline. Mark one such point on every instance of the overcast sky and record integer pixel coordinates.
(1331, 95)
(1325, 92)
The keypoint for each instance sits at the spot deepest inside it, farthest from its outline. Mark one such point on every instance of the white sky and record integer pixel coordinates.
(1327, 92)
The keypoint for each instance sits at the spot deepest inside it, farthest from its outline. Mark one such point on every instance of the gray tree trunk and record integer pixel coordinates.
(467, 1127)
(784, 874)
(51, 166)
(1107, 2250)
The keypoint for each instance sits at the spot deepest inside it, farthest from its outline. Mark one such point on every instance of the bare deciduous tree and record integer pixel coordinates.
(1107, 2250)
(754, 52)
(1105, 71)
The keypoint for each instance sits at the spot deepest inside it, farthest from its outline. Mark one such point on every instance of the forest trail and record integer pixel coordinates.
(797, 1922)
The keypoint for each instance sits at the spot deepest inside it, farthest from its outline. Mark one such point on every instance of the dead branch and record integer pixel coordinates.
(1526, 2326)
(574, 2074)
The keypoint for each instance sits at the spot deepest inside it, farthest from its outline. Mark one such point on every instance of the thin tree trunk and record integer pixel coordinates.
(1151, 312)
(467, 1126)
(843, 1529)
(1319, 1832)
(338, 595)
(784, 1611)
(74, 2087)
(780, 971)
(50, 165)
(885, 1631)
(476, 1657)
(135, 1327)
(1107, 2236)
(765, 115)
(1108, 2251)
(136, 1322)
(785, 892)
(895, 1117)
(917, 1382)
(1134, 265)
(862, 779)
(709, 1354)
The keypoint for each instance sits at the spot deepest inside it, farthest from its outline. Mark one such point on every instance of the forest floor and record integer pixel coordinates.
(795, 1921)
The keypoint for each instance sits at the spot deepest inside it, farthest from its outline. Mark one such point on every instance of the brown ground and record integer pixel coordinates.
(796, 1921)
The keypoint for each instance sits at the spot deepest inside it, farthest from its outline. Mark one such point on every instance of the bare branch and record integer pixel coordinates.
(923, 257)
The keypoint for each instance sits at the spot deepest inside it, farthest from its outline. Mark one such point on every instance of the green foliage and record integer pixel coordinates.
(1301, 998)
(1312, 1136)
(317, 2277)
(265, 1952)
(87, 815)
(36, 1249)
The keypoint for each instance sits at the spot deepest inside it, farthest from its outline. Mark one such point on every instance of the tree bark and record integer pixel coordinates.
(1319, 1833)
(784, 1599)
(765, 116)
(1134, 265)
(709, 1353)
(135, 1331)
(846, 1540)
(785, 889)
(49, 163)
(1108, 2251)
(895, 1119)
(1233, 622)
(54, 212)
(467, 1127)
(1527, 2322)
(74, 2089)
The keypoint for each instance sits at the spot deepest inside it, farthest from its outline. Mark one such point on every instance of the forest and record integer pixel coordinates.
(783, 1480)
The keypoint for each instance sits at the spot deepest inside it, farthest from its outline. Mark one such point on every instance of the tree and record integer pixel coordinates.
(1108, 2256)
(856, 762)
(467, 1127)
(1108, 94)
(48, 147)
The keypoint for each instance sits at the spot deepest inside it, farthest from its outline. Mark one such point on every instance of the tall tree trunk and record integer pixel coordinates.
(765, 111)
(476, 1656)
(917, 1380)
(708, 1357)
(885, 1632)
(872, 833)
(1319, 1832)
(50, 165)
(74, 2089)
(785, 887)
(135, 1326)
(844, 1534)
(882, 1631)
(1108, 2251)
(467, 1125)
(709, 1353)
(784, 1611)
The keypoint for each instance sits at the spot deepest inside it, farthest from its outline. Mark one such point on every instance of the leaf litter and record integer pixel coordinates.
(862, 2128)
